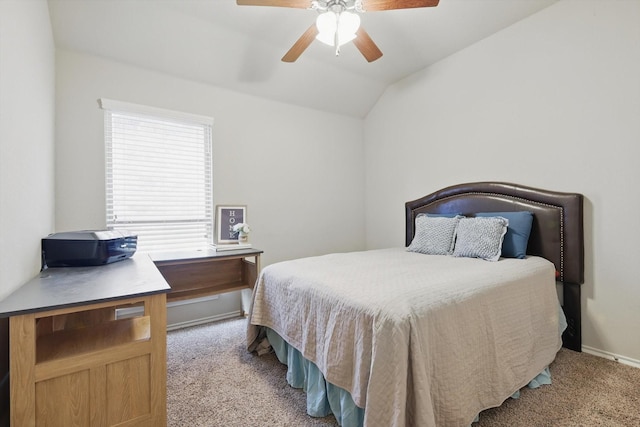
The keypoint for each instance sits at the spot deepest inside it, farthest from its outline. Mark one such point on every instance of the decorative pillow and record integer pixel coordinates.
(517, 237)
(434, 235)
(480, 237)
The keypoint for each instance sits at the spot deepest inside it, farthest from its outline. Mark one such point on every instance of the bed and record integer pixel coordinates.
(400, 337)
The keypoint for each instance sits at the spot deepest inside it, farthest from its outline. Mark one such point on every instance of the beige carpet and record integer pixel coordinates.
(213, 381)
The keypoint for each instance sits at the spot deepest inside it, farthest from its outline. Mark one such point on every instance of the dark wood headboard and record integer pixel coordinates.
(557, 231)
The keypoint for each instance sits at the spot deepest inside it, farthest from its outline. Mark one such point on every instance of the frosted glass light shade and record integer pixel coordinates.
(346, 24)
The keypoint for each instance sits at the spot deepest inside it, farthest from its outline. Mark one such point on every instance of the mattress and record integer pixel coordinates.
(415, 339)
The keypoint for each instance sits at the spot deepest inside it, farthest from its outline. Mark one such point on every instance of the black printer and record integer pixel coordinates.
(87, 247)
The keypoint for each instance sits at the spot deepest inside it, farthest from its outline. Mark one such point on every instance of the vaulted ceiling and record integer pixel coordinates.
(239, 47)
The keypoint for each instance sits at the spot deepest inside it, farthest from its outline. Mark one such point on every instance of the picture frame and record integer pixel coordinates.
(226, 217)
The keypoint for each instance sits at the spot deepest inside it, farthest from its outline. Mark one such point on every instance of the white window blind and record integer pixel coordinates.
(159, 176)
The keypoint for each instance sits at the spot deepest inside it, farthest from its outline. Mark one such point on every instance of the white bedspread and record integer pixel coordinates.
(418, 340)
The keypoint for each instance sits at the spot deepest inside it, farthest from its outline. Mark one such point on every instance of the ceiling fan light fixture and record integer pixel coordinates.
(336, 29)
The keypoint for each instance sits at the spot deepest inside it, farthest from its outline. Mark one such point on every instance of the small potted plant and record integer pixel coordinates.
(243, 231)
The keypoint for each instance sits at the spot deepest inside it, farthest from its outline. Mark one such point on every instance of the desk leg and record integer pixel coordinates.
(250, 272)
(246, 295)
(22, 361)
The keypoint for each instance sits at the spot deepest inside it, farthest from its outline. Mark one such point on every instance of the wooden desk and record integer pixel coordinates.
(199, 273)
(72, 363)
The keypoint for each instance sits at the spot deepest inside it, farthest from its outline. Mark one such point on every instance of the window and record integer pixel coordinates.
(158, 176)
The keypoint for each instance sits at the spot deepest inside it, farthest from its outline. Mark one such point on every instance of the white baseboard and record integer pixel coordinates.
(139, 311)
(203, 320)
(611, 356)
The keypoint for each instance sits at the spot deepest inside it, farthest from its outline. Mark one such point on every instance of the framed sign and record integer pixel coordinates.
(226, 218)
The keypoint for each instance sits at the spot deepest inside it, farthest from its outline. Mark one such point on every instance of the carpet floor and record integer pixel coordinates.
(213, 381)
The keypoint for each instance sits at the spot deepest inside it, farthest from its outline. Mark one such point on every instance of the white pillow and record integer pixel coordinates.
(480, 237)
(434, 235)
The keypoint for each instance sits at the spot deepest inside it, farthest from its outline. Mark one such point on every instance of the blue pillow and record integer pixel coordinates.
(517, 237)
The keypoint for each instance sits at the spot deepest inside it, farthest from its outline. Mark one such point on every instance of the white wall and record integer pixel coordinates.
(550, 102)
(299, 171)
(27, 71)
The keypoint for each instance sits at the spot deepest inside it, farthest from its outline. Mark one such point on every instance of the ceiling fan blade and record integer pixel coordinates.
(374, 5)
(366, 46)
(300, 4)
(301, 44)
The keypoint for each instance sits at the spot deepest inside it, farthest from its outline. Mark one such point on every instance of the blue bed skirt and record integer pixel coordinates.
(324, 398)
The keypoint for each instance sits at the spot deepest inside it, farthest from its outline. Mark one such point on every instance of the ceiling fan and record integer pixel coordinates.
(338, 22)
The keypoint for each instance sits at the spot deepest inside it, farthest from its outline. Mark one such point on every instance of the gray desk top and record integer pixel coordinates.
(203, 254)
(56, 288)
